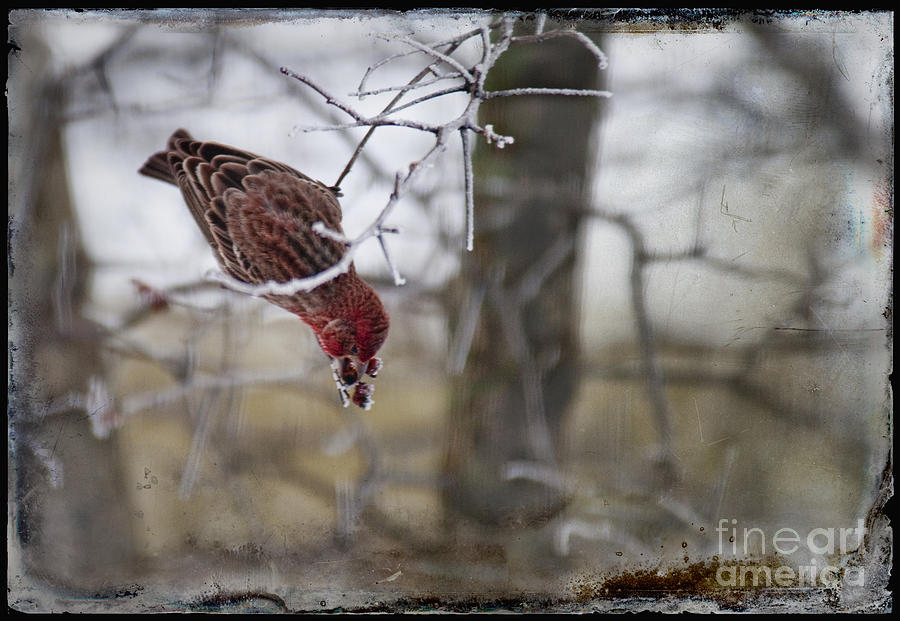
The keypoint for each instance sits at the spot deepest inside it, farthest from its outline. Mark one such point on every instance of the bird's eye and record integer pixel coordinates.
(354, 350)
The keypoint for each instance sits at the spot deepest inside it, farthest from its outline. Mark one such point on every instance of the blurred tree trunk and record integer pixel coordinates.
(517, 294)
(70, 523)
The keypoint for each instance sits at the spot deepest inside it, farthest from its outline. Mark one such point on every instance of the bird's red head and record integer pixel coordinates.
(352, 342)
(358, 341)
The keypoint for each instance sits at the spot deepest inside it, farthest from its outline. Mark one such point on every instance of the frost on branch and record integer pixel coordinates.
(445, 66)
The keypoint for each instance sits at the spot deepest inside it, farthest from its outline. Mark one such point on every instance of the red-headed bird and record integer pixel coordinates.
(258, 217)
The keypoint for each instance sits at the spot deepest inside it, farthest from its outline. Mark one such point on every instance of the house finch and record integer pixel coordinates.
(258, 217)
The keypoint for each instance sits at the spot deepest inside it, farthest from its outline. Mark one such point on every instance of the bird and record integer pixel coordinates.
(260, 217)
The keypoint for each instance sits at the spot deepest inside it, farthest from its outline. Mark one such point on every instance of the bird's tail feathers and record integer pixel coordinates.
(157, 165)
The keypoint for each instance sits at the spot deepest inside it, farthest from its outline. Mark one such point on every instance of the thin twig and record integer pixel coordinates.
(361, 120)
(429, 96)
(571, 92)
(387, 109)
(463, 72)
(329, 98)
(465, 331)
(454, 42)
(464, 123)
(513, 328)
(375, 121)
(320, 229)
(395, 274)
(652, 368)
(602, 60)
(531, 283)
(470, 191)
(405, 88)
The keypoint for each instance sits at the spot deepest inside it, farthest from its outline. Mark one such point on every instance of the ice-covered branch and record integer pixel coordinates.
(452, 43)
(602, 60)
(569, 92)
(405, 88)
(360, 120)
(470, 191)
(391, 106)
(461, 71)
(429, 96)
(467, 121)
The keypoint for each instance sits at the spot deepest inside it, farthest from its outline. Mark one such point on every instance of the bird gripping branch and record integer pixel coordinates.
(258, 216)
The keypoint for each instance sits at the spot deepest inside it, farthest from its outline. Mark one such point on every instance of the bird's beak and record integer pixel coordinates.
(346, 367)
(370, 367)
(360, 368)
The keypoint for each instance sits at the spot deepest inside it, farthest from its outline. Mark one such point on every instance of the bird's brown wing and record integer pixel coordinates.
(208, 172)
(270, 224)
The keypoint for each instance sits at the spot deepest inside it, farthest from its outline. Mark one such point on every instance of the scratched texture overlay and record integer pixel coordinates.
(658, 381)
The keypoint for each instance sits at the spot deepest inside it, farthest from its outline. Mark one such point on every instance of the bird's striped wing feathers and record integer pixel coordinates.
(271, 225)
(256, 213)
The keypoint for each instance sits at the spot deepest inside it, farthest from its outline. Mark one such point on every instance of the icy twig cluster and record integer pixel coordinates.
(494, 40)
